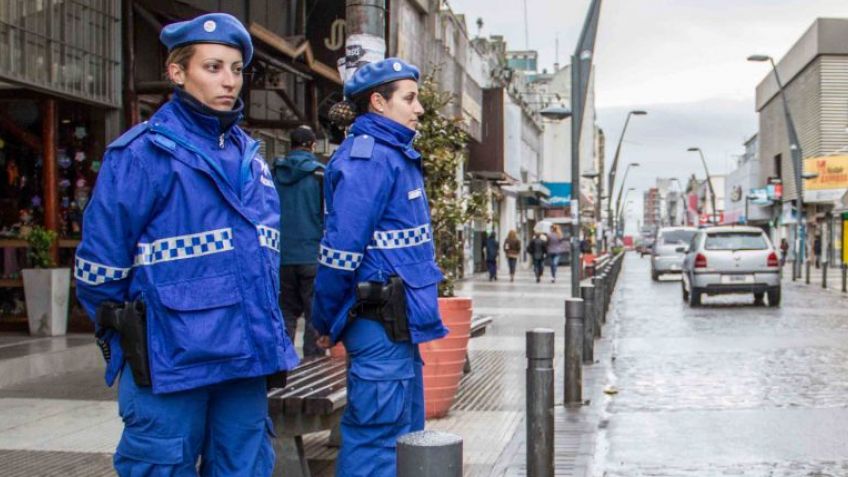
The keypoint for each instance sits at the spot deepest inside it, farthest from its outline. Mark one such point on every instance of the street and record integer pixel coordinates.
(725, 389)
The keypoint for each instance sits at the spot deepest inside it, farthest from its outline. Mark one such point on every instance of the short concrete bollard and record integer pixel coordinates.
(540, 402)
(824, 274)
(573, 377)
(589, 323)
(807, 279)
(429, 454)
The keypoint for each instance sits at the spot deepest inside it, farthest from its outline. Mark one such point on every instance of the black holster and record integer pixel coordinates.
(386, 304)
(130, 321)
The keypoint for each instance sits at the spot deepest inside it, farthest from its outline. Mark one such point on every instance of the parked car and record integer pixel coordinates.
(666, 254)
(647, 245)
(731, 259)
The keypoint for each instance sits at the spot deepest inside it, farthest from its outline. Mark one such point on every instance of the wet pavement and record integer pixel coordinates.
(727, 389)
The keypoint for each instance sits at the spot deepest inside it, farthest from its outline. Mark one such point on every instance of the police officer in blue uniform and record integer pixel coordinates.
(376, 287)
(181, 241)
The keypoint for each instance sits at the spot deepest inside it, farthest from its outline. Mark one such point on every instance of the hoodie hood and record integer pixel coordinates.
(295, 166)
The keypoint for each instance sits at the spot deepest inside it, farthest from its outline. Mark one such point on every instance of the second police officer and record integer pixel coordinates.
(376, 287)
(182, 236)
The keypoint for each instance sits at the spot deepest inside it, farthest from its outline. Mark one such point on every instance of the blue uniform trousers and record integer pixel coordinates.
(385, 400)
(226, 425)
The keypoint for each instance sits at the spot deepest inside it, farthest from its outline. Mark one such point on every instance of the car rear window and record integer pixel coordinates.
(677, 236)
(736, 241)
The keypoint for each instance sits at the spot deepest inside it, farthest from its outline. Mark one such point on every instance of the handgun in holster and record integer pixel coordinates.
(130, 322)
(386, 304)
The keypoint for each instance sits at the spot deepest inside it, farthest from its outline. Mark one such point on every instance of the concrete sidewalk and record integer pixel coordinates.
(60, 419)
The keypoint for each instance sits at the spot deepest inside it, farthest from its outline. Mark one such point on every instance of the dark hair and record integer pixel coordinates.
(363, 100)
(302, 136)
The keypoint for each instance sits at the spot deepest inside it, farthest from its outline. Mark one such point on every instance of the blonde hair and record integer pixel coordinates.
(555, 229)
(512, 235)
(181, 56)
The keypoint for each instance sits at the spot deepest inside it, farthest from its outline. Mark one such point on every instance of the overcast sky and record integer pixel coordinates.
(681, 60)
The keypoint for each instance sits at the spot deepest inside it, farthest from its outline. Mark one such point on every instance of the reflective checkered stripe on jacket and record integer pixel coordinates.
(169, 249)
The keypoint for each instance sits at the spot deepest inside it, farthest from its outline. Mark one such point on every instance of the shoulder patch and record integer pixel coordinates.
(164, 142)
(129, 136)
(363, 147)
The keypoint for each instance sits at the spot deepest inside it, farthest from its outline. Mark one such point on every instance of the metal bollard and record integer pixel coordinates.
(807, 280)
(540, 402)
(429, 454)
(573, 377)
(844, 278)
(824, 275)
(589, 322)
(596, 281)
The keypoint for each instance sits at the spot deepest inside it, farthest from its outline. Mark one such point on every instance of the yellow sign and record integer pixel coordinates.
(845, 238)
(832, 172)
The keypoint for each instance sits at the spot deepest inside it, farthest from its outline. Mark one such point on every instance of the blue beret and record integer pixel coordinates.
(219, 28)
(377, 73)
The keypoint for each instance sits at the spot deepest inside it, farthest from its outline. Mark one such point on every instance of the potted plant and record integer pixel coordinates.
(443, 145)
(47, 288)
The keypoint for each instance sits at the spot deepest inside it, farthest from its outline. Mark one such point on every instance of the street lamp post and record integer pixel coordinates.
(614, 168)
(709, 182)
(621, 187)
(796, 153)
(619, 230)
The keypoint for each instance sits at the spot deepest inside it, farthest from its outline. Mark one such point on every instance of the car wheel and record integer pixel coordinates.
(774, 297)
(683, 291)
(758, 298)
(695, 297)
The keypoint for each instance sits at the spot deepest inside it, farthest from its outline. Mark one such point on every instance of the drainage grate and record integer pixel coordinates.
(25, 463)
(496, 382)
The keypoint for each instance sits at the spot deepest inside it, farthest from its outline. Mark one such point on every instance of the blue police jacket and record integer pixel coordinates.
(301, 217)
(166, 224)
(377, 226)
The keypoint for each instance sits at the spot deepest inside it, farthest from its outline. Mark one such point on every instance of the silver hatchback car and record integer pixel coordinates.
(731, 259)
(669, 249)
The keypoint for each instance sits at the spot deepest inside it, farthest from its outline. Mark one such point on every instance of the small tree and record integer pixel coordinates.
(40, 240)
(444, 147)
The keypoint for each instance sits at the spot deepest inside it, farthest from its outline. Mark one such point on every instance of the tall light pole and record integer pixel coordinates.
(709, 181)
(621, 188)
(797, 155)
(618, 211)
(614, 167)
(581, 70)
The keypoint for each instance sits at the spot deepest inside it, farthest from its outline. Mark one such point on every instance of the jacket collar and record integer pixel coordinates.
(387, 131)
(209, 122)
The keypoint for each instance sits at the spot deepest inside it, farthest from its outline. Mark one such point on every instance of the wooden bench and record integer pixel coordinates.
(312, 401)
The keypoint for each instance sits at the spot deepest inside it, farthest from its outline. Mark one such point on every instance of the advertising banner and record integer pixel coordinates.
(832, 179)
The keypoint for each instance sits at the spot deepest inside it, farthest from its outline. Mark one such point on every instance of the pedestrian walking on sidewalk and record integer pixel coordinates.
(512, 248)
(817, 250)
(556, 247)
(537, 249)
(377, 283)
(784, 250)
(298, 178)
(180, 252)
(492, 249)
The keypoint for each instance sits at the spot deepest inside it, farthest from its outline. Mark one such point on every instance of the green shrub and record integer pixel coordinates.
(40, 241)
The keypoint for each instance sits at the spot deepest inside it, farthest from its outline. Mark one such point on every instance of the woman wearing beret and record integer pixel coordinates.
(183, 227)
(377, 275)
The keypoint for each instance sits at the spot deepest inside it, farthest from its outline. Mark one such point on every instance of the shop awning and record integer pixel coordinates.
(535, 190)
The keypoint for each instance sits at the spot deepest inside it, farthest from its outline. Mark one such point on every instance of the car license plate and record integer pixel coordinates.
(675, 267)
(737, 279)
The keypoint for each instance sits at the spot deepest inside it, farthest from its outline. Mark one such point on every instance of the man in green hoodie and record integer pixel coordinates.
(298, 177)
